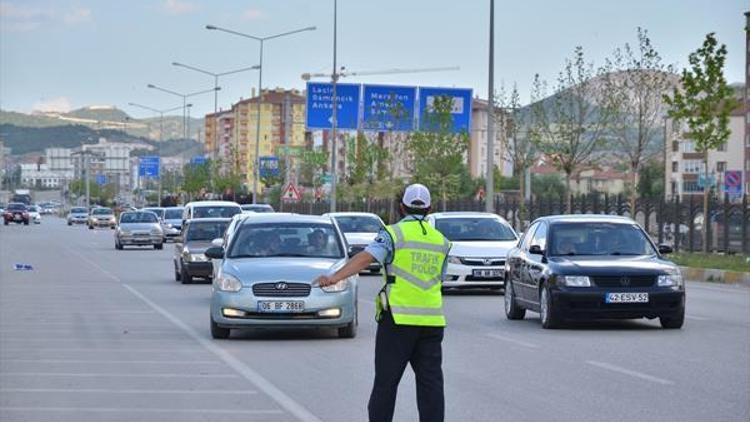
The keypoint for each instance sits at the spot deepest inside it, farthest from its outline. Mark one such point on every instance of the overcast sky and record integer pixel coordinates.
(61, 54)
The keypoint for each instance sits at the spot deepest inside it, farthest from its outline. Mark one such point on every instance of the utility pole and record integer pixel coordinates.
(490, 177)
(86, 169)
(334, 79)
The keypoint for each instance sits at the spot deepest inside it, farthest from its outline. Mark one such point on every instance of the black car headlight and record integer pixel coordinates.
(670, 280)
(574, 280)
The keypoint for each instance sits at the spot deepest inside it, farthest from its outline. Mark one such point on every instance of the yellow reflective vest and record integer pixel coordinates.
(413, 284)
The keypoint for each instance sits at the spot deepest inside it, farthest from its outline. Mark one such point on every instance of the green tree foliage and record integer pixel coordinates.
(103, 195)
(704, 102)
(651, 180)
(196, 177)
(547, 186)
(313, 163)
(438, 154)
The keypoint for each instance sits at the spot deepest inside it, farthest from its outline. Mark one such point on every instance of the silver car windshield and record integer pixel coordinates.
(173, 214)
(102, 211)
(78, 211)
(286, 239)
(568, 239)
(359, 224)
(215, 212)
(138, 217)
(206, 230)
(158, 211)
(474, 229)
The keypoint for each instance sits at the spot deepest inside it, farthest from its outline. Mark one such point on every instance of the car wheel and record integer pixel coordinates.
(112, 227)
(118, 245)
(159, 246)
(5, 222)
(548, 314)
(674, 322)
(350, 331)
(512, 310)
(185, 277)
(91, 227)
(26, 222)
(176, 273)
(219, 332)
(69, 223)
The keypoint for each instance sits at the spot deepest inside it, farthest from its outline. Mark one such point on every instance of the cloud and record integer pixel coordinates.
(178, 7)
(77, 15)
(57, 104)
(19, 17)
(253, 14)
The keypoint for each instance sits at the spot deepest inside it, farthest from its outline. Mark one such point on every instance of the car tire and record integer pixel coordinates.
(5, 222)
(26, 223)
(548, 313)
(118, 245)
(159, 246)
(91, 227)
(176, 273)
(112, 227)
(219, 333)
(69, 223)
(673, 323)
(512, 310)
(185, 277)
(350, 331)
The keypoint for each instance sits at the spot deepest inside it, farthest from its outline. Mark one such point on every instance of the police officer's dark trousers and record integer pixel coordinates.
(395, 346)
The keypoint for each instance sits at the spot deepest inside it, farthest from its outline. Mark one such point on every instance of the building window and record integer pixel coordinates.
(692, 166)
(691, 187)
(688, 146)
(675, 146)
(675, 167)
(721, 166)
(673, 185)
(722, 147)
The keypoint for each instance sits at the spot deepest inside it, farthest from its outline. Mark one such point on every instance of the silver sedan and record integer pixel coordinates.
(139, 228)
(265, 276)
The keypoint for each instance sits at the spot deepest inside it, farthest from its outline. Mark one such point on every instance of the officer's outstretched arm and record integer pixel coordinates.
(355, 265)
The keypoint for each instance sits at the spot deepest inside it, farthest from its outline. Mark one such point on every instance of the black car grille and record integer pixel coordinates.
(281, 289)
(625, 281)
(481, 262)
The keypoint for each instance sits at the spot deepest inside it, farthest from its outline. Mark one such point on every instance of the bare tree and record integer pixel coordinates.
(569, 125)
(633, 88)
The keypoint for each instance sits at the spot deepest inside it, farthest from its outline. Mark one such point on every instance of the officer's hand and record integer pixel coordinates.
(324, 281)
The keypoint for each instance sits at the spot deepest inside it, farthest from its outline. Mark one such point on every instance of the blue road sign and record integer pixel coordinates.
(101, 179)
(320, 105)
(389, 107)
(198, 160)
(148, 166)
(733, 182)
(460, 110)
(269, 166)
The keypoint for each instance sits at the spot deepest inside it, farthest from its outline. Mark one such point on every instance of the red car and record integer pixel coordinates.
(16, 213)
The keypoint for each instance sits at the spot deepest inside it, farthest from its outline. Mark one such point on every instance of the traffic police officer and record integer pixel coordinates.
(409, 308)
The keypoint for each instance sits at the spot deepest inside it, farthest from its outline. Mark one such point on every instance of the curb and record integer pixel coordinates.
(712, 275)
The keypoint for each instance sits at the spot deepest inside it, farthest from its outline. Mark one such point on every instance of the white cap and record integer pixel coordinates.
(416, 196)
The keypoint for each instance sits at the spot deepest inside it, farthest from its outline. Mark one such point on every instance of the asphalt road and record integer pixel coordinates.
(93, 334)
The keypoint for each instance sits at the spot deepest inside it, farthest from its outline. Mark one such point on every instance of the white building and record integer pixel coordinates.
(477, 155)
(40, 176)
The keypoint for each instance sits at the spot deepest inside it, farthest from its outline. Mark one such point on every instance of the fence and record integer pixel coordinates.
(677, 222)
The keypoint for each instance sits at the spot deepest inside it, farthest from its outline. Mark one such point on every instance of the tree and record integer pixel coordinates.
(313, 163)
(547, 186)
(197, 177)
(651, 180)
(437, 154)
(568, 126)
(634, 85)
(519, 148)
(704, 102)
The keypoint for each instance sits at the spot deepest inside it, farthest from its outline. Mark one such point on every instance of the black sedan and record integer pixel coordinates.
(592, 267)
(197, 235)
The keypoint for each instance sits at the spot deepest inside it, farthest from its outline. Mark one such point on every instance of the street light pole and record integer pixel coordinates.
(261, 40)
(490, 178)
(184, 97)
(334, 79)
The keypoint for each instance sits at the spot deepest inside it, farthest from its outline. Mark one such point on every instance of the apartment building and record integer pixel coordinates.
(477, 153)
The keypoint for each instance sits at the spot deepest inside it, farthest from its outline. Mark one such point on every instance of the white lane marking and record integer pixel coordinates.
(138, 410)
(90, 361)
(95, 350)
(625, 371)
(513, 340)
(116, 391)
(258, 380)
(113, 374)
(697, 318)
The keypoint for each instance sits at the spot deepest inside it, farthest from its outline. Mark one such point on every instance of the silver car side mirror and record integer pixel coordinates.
(218, 242)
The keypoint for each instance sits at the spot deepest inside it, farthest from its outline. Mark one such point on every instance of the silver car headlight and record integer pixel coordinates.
(576, 280)
(156, 231)
(338, 287)
(454, 260)
(227, 283)
(197, 257)
(670, 280)
(124, 232)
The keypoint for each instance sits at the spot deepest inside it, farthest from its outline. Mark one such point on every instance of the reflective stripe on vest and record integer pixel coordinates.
(414, 296)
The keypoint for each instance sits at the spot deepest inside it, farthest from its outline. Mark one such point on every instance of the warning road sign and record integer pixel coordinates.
(291, 193)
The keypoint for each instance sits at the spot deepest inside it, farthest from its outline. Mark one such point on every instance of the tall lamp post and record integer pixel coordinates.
(216, 77)
(184, 97)
(161, 131)
(490, 179)
(261, 40)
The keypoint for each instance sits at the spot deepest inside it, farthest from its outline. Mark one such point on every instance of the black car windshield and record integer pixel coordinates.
(158, 211)
(78, 211)
(102, 211)
(138, 217)
(260, 240)
(215, 212)
(587, 238)
(257, 208)
(359, 224)
(474, 229)
(173, 214)
(16, 207)
(206, 230)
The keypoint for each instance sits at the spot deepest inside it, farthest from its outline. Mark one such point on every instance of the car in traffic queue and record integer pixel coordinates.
(480, 242)
(266, 272)
(159, 211)
(256, 208)
(189, 259)
(16, 212)
(102, 217)
(78, 215)
(592, 267)
(210, 209)
(172, 222)
(359, 228)
(139, 228)
(34, 214)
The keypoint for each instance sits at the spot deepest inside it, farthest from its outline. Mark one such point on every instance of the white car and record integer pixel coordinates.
(359, 228)
(35, 215)
(480, 242)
